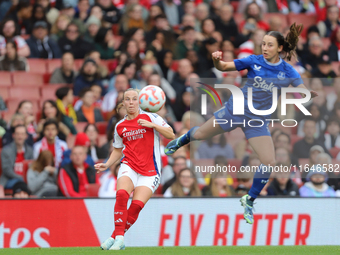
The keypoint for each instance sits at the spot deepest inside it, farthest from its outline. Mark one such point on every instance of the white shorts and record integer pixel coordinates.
(137, 179)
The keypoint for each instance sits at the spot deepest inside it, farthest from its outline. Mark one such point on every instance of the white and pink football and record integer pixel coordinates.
(151, 98)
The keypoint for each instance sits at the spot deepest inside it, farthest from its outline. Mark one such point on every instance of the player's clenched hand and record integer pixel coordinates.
(217, 55)
(100, 167)
(145, 123)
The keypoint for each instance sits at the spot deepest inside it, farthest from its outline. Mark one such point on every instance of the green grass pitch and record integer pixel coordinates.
(218, 250)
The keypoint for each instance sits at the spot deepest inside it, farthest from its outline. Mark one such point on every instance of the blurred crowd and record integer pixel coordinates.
(100, 48)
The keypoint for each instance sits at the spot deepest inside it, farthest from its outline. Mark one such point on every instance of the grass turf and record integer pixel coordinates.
(240, 250)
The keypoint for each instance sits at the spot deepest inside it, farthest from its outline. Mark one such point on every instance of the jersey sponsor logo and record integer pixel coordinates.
(281, 76)
(257, 68)
(134, 132)
(124, 129)
(262, 84)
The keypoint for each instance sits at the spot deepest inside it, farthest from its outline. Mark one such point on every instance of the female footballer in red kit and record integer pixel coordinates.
(136, 144)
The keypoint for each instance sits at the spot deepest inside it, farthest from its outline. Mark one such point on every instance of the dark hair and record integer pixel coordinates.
(50, 122)
(84, 91)
(17, 126)
(333, 120)
(21, 103)
(67, 52)
(128, 63)
(4, 21)
(284, 134)
(203, 21)
(33, 18)
(100, 36)
(290, 42)
(161, 16)
(310, 118)
(220, 160)
(187, 28)
(54, 104)
(8, 62)
(90, 124)
(62, 92)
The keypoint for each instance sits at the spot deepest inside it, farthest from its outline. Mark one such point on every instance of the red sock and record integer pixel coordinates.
(133, 212)
(120, 214)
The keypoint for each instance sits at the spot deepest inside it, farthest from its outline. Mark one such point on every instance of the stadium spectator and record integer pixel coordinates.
(314, 55)
(207, 27)
(316, 185)
(74, 177)
(110, 12)
(327, 26)
(132, 18)
(161, 24)
(51, 142)
(94, 150)
(179, 78)
(282, 185)
(184, 186)
(11, 61)
(93, 25)
(10, 31)
(39, 14)
(88, 75)
(97, 91)
(282, 140)
(252, 46)
(42, 176)
(59, 27)
(102, 71)
(334, 49)
(110, 99)
(41, 46)
(154, 11)
(20, 190)
(108, 182)
(155, 79)
(318, 117)
(136, 34)
(50, 111)
(66, 73)
(332, 98)
(172, 11)
(218, 186)
(25, 108)
(244, 181)
(21, 14)
(81, 140)
(17, 119)
(209, 46)
(88, 111)
(12, 157)
(332, 134)
(169, 177)
(82, 10)
(104, 43)
(64, 104)
(254, 11)
(129, 69)
(164, 62)
(301, 148)
(275, 24)
(314, 152)
(261, 3)
(215, 146)
(133, 51)
(226, 24)
(72, 42)
(51, 12)
(188, 42)
(302, 6)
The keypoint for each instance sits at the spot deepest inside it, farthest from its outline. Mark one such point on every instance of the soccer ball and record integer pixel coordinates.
(151, 98)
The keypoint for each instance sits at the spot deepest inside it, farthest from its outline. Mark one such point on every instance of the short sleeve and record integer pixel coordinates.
(295, 78)
(20, 42)
(117, 140)
(155, 118)
(243, 63)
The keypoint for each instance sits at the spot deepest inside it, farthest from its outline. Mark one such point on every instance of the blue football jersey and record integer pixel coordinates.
(263, 76)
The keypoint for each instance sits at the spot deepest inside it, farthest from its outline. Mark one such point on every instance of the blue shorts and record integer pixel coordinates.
(254, 128)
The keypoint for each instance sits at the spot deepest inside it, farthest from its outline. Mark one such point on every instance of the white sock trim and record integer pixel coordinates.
(120, 237)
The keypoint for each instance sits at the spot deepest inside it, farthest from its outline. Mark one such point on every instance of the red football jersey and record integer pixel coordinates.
(141, 147)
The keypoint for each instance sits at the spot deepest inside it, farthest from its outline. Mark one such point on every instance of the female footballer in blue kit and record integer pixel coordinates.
(264, 72)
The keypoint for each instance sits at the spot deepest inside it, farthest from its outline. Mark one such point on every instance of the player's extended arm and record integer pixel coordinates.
(115, 155)
(313, 93)
(221, 65)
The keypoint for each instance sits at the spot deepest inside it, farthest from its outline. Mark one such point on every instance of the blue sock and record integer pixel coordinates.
(188, 136)
(261, 178)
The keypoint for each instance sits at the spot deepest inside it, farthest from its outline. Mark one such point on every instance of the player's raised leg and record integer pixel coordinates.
(264, 148)
(207, 130)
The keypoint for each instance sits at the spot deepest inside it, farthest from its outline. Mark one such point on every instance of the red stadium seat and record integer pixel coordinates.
(12, 105)
(48, 92)
(334, 151)
(37, 65)
(78, 63)
(283, 17)
(70, 139)
(8, 115)
(4, 93)
(24, 79)
(80, 126)
(235, 5)
(306, 19)
(25, 92)
(53, 64)
(92, 190)
(5, 79)
(102, 127)
(174, 65)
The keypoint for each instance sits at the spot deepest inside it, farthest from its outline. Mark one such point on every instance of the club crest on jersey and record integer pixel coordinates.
(281, 76)
(257, 68)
